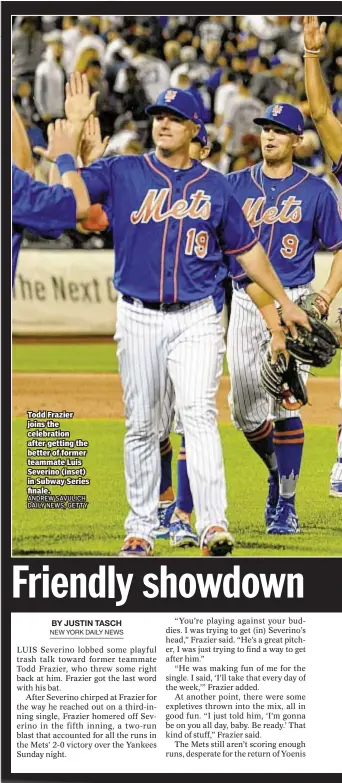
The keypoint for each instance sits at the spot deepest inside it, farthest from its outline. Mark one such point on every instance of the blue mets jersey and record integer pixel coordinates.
(170, 226)
(291, 216)
(40, 209)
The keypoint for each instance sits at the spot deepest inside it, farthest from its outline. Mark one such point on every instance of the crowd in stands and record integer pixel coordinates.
(233, 65)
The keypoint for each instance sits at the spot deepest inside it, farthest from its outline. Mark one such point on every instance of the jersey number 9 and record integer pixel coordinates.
(289, 246)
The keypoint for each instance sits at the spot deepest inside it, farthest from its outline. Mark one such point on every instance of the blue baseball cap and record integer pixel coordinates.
(285, 115)
(202, 135)
(179, 102)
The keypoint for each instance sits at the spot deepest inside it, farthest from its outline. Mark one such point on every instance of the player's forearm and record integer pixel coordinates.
(315, 87)
(258, 268)
(334, 282)
(54, 175)
(21, 150)
(330, 132)
(265, 305)
(328, 126)
(73, 180)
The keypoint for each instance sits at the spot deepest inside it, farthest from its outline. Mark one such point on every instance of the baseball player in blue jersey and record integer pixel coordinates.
(330, 131)
(39, 208)
(199, 150)
(171, 219)
(175, 515)
(292, 211)
(36, 206)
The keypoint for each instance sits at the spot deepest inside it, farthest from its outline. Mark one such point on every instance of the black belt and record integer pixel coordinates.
(164, 306)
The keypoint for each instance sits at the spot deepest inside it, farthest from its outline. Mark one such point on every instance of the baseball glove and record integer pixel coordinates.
(315, 305)
(317, 347)
(283, 382)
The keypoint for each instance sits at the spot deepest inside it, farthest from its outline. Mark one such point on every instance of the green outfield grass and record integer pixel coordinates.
(91, 357)
(99, 529)
(64, 357)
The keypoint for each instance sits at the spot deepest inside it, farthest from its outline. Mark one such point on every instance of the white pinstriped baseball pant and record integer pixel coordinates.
(249, 404)
(186, 346)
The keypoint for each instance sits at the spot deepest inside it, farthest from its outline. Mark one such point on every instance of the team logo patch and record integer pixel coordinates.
(170, 95)
(277, 110)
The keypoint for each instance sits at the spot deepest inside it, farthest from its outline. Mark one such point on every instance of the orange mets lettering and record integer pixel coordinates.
(154, 208)
(290, 211)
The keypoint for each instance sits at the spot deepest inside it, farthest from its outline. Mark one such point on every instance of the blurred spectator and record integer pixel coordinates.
(49, 85)
(172, 53)
(188, 57)
(23, 98)
(85, 58)
(28, 47)
(223, 95)
(239, 114)
(214, 28)
(97, 83)
(266, 28)
(133, 147)
(125, 132)
(239, 62)
(310, 155)
(270, 80)
(208, 62)
(115, 44)
(71, 37)
(148, 28)
(49, 23)
(88, 40)
(153, 74)
(134, 99)
(180, 28)
(217, 158)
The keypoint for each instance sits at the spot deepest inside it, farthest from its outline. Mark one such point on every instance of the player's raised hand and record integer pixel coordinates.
(47, 152)
(79, 105)
(92, 146)
(291, 315)
(314, 34)
(63, 139)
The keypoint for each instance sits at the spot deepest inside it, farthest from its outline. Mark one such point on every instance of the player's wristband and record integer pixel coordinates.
(65, 163)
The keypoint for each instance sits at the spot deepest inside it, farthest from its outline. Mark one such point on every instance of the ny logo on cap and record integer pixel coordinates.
(170, 95)
(277, 110)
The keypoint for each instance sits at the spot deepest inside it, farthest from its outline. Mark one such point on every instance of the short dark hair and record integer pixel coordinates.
(141, 45)
(94, 64)
(215, 147)
(246, 79)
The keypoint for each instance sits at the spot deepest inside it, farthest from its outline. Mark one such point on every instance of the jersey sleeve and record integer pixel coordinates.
(99, 177)
(38, 207)
(236, 235)
(236, 272)
(328, 222)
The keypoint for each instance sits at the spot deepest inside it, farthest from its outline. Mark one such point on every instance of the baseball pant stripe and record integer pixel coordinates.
(151, 346)
(249, 403)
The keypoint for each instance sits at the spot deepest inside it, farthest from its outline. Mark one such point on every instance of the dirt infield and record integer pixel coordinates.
(99, 396)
